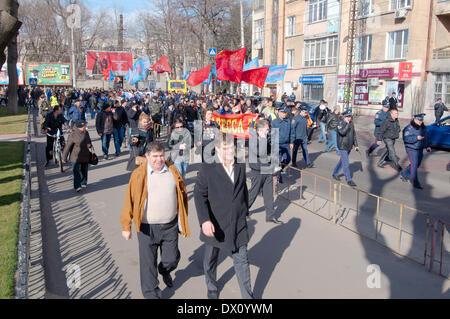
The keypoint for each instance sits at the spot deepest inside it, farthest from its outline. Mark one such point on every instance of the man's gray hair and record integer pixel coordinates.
(261, 124)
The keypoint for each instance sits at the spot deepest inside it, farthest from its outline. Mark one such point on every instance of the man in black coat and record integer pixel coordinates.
(393, 101)
(389, 132)
(221, 200)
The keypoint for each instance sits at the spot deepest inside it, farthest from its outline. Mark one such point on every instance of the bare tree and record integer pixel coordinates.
(9, 13)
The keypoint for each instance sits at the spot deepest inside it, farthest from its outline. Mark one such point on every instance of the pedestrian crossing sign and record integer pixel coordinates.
(212, 52)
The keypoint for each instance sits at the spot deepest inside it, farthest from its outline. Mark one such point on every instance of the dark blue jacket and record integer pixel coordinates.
(75, 115)
(286, 130)
(410, 134)
(380, 116)
(300, 127)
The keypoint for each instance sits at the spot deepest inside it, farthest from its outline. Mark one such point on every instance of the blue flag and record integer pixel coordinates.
(111, 76)
(208, 81)
(253, 64)
(138, 71)
(147, 63)
(276, 73)
(186, 75)
(127, 77)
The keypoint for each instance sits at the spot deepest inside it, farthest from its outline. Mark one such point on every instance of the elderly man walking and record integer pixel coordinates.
(156, 200)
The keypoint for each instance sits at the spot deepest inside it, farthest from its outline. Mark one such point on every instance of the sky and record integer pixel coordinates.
(126, 6)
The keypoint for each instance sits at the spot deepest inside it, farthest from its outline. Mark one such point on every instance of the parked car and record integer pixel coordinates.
(439, 133)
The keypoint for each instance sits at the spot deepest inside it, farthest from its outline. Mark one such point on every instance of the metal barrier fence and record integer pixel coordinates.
(23, 246)
(444, 251)
(394, 236)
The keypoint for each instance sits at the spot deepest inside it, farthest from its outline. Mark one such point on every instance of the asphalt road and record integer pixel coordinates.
(307, 257)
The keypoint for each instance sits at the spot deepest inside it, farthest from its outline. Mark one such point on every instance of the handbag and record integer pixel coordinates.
(139, 160)
(93, 158)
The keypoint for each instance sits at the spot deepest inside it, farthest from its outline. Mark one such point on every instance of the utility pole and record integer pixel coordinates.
(74, 71)
(349, 66)
(242, 33)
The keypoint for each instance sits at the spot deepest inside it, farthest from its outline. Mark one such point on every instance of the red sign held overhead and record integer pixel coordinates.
(405, 71)
(376, 73)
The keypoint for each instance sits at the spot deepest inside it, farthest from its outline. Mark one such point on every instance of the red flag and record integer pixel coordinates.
(229, 65)
(162, 65)
(256, 76)
(197, 77)
(106, 74)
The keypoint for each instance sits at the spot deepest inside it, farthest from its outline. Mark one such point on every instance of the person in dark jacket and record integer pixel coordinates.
(380, 116)
(133, 113)
(320, 118)
(389, 132)
(78, 145)
(439, 109)
(140, 137)
(346, 141)
(93, 104)
(332, 123)
(415, 138)
(179, 146)
(393, 101)
(205, 136)
(221, 200)
(120, 120)
(263, 166)
(300, 123)
(105, 128)
(53, 122)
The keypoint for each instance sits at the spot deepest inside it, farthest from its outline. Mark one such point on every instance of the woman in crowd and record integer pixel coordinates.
(78, 145)
(139, 138)
(179, 145)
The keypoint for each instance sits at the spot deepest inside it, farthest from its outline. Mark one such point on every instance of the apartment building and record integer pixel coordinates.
(400, 46)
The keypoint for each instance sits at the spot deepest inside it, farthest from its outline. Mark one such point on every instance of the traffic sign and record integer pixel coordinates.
(33, 81)
(212, 51)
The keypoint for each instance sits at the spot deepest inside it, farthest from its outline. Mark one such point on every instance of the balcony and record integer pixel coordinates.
(443, 8)
(440, 61)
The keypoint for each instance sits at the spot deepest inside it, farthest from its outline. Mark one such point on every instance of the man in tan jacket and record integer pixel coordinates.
(156, 201)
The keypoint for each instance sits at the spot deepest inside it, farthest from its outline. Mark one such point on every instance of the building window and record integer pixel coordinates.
(317, 10)
(321, 52)
(363, 48)
(290, 26)
(442, 88)
(397, 45)
(258, 4)
(399, 4)
(290, 58)
(259, 29)
(312, 92)
(260, 54)
(365, 8)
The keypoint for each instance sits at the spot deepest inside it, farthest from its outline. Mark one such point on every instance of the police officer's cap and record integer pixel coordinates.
(347, 113)
(303, 108)
(283, 109)
(420, 116)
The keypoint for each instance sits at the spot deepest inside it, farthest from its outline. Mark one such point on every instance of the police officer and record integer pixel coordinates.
(346, 138)
(415, 138)
(380, 116)
(286, 137)
(300, 123)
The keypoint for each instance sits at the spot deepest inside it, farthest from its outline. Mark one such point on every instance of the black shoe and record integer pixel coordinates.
(351, 183)
(275, 221)
(294, 165)
(167, 278)
(213, 294)
(399, 168)
(418, 186)
(47, 164)
(336, 178)
(311, 165)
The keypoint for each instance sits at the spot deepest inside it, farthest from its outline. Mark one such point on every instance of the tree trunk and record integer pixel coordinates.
(12, 62)
(9, 25)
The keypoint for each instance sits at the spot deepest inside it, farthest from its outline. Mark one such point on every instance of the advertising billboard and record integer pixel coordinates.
(4, 78)
(97, 62)
(48, 73)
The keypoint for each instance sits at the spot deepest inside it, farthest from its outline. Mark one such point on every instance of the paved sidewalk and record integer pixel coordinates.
(307, 257)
